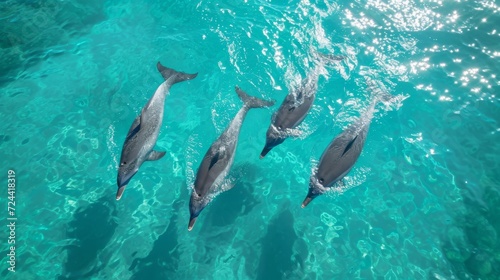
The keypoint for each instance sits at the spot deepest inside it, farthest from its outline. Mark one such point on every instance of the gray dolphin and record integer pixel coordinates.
(295, 107)
(219, 158)
(142, 135)
(341, 154)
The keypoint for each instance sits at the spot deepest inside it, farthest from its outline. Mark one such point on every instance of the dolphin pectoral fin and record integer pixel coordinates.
(154, 155)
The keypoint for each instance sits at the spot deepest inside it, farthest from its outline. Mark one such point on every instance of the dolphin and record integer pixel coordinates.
(142, 135)
(342, 153)
(295, 107)
(219, 158)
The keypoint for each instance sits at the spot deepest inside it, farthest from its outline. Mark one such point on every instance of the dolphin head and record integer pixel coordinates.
(196, 204)
(126, 171)
(274, 137)
(316, 188)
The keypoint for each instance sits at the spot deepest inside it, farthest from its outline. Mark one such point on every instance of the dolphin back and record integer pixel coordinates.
(253, 102)
(341, 155)
(174, 76)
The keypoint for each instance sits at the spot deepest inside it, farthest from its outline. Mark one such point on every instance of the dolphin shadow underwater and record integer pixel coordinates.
(142, 135)
(277, 257)
(158, 264)
(237, 202)
(218, 159)
(92, 227)
(342, 153)
(294, 108)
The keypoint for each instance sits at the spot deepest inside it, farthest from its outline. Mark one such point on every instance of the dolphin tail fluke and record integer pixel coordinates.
(253, 102)
(173, 75)
(330, 58)
(379, 93)
(324, 58)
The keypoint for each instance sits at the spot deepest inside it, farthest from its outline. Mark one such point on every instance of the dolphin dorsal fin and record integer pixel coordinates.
(219, 155)
(136, 126)
(214, 160)
(141, 117)
(349, 145)
(300, 96)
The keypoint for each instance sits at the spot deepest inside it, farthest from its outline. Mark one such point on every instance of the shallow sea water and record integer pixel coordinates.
(422, 201)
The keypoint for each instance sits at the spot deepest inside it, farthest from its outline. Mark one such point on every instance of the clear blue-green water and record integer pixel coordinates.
(422, 201)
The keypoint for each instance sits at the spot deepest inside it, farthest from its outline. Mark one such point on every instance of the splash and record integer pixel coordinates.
(192, 155)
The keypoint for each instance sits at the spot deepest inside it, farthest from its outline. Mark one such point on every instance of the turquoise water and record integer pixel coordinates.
(422, 201)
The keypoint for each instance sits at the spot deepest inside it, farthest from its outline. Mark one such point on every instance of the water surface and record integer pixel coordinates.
(422, 201)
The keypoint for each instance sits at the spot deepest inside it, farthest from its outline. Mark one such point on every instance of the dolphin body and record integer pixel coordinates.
(142, 135)
(341, 154)
(219, 158)
(294, 108)
(291, 113)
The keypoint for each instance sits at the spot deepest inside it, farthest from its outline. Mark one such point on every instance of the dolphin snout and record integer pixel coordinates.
(119, 192)
(264, 152)
(191, 223)
(306, 201)
(123, 179)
